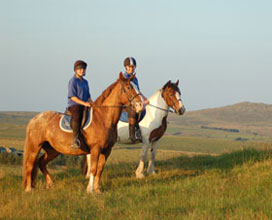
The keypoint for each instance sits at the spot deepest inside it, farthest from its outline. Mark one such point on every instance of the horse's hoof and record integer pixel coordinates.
(98, 191)
(49, 186)
(140, 175)
(152, 173)
(89, 191)
(28, 189)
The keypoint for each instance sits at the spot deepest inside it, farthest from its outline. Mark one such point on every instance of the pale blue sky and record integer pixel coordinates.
(220, 50)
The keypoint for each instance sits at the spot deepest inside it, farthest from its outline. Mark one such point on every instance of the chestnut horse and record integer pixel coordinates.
(153, 126)
(43, 132)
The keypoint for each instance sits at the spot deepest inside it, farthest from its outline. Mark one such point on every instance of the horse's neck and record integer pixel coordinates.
(109, 107)
(158, 101)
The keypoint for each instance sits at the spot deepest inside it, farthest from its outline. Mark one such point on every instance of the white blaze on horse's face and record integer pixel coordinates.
(181, 109)
(137, 105)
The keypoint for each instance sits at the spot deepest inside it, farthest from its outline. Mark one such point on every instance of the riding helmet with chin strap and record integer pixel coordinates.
(130, 61)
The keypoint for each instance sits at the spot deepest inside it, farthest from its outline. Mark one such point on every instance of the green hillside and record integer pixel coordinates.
(205, 128)
(244, 113)
(254, 118)
(13, 124)
(16, 118)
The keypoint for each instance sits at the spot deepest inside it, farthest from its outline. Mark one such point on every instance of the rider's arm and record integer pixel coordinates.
(146, 101)
(80, 102)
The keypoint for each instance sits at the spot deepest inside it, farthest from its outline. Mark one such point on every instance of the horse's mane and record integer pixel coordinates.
(105, 93)
(173, 86)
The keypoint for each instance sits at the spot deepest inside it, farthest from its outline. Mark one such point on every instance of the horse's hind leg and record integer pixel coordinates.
(30, 155)
(49, 155)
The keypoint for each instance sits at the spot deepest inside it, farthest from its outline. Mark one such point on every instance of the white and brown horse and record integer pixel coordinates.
(43, 132)
(153, 126)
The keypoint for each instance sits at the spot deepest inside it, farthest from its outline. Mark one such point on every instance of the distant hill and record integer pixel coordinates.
(19, 118)
(243, 115)
(246, 116)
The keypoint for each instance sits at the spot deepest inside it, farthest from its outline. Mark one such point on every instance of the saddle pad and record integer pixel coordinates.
(124, 116)
(65, 122)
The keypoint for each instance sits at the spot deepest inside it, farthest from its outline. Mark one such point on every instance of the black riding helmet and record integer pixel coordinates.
(80, 64)
(130, 61)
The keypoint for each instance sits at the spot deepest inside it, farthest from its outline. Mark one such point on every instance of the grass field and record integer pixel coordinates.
(230, 186)
(201, 174)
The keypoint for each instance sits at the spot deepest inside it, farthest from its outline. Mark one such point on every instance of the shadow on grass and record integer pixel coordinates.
(182, 167)
(224, 162)
(171, 169)
(188, 166)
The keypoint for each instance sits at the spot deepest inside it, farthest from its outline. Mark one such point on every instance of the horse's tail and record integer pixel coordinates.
(25, 158)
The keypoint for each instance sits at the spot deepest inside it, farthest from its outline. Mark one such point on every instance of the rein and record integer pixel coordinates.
(157, 107)
(110, 106)
(172, 102)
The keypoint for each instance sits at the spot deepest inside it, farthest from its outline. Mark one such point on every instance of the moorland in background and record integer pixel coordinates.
(211, 164)
(216, 130)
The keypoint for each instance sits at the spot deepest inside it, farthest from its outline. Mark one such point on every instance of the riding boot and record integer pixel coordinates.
(132, 133)
(76, 142)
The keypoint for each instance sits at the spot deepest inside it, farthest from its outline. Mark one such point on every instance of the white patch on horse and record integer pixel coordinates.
(178, 98)
(90, 187)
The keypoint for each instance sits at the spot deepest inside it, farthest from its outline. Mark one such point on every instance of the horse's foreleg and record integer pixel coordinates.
(49, 155)
(100, 167)
(140, 170)
(95, 153)
(88, 161)
(151, 165)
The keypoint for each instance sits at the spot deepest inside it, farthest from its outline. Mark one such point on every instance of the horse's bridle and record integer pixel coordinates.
(173, 103)
(129, 98)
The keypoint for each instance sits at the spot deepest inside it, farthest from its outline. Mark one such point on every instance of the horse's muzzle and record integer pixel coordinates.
(181, 111)
(138, 106)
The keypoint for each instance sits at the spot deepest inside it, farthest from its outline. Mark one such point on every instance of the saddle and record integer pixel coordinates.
(65, 121)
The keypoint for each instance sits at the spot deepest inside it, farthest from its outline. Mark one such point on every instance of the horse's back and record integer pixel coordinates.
(41, 120)
(44, 115)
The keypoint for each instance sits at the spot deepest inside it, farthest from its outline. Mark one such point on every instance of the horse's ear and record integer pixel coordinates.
(177, 82)
(121, 77)
(166, 84)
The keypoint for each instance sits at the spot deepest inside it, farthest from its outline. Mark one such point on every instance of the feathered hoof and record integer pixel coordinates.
(98, 191)
(49, 186)
(28, 189)
(89, 191)
(140, 175)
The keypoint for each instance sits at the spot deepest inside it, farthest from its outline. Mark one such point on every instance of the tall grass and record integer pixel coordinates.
(230, 186)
